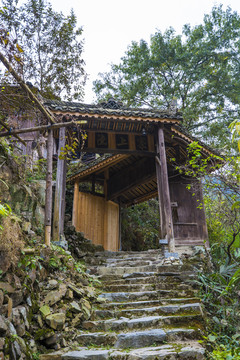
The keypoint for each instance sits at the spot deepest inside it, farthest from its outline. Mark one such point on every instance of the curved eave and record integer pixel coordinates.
(107, 117)
(191, 140)
(100, 166)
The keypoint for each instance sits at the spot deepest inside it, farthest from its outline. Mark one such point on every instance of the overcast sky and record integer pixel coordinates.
(110, 26)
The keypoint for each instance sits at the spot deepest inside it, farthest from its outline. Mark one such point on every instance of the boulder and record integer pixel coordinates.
(86, 309)
(55, 296)
(45, 311)
(56, 321)
(74, 307)
(77, 291)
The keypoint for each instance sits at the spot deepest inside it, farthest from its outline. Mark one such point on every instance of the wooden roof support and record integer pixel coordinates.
(163, 187)
(59, 190)
(48, 201)
(162, 229)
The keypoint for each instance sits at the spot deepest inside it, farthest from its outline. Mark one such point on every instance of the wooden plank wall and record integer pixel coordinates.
(98, 219)
(188, 220)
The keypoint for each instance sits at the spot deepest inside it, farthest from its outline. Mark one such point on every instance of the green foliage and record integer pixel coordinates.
(140, 226)
(52, 46)
(38, 171)
(220, 295)
(198, 69)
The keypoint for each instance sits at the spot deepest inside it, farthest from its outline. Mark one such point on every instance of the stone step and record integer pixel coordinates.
(124, 254)
(145, 257)
(125, 270)
(145, 287)
(124, 263)
(147, 274)
(193, 308)
(103, 270)
(147, 303)
(148, 322)
(146, 295)
(141, 280)
(137, 339)
(180, 351)
(134, 275)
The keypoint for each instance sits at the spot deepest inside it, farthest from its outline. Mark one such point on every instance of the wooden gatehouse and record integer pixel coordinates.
(140, 145)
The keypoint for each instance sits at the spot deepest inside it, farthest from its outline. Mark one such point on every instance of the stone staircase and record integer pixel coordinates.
(147, 310)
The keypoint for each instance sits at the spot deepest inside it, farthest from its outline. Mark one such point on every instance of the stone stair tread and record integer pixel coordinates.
(145, 274)
(192, 351)
(162, 309)
(144, 295)
(140, 322)
(145, 287)
(139, 280)
(147, 303)
(136, 339)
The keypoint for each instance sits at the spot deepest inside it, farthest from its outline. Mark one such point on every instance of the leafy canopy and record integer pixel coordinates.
(52, 44)
(199, 69)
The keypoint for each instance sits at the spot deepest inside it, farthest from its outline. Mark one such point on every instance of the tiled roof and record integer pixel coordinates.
(111, 107)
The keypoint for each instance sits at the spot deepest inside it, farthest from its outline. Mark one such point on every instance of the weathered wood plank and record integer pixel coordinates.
(57, 216)
(48, 193)
(165, 185)
(162, 228)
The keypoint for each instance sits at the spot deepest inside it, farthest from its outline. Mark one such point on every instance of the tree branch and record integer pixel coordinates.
(19, 80)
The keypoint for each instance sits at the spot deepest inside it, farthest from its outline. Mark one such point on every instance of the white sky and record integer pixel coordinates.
(110, 26)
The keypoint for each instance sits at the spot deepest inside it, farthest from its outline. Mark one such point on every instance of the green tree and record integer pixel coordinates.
(199, 69)
(52, 43)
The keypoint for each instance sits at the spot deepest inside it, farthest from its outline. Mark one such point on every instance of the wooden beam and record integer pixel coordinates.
(9, 131)
(63, 205)
(36, 128)
(119, 151)
(164, 185)
(57, 216)
(130, 177)
(141, 198)
(48, 193)
(162, 229)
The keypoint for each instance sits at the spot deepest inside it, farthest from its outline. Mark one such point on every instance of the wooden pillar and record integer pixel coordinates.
(75, 204)
(164, 186)
(63, 206)
(162, 229)
(60, 179)
(48, 193)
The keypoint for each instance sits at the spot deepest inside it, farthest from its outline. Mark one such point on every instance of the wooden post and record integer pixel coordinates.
(63, 206)
(164, 185)
(162, 229)
(57, 216)
(75, 204)
(48, 197)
